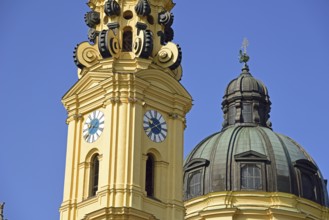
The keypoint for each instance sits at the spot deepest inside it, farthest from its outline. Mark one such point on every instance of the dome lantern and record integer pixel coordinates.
(246, 100)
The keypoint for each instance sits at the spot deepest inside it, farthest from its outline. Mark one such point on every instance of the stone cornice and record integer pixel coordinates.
(147, 87)
(265, 204)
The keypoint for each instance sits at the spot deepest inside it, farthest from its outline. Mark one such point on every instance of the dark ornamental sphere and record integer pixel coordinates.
(92, 18)
(143, 8)
(112, 8)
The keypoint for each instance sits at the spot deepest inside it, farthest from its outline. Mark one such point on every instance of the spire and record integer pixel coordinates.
(246, 100)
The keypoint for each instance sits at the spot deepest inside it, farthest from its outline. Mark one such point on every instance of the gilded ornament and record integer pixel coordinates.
(85, 55)
(169, 56)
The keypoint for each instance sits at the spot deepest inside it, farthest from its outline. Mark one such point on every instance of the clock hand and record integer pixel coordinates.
(95, 124)
(157, 126)
(150, 128)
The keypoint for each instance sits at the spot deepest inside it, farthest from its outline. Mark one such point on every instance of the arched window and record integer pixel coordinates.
(149, 178)
(94, 174)
(251, 176)
(127, 40)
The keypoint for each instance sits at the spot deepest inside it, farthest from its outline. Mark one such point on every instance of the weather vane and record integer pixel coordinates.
(244, 58)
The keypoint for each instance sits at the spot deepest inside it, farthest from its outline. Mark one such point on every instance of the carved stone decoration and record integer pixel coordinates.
(143, 8)
(85, 55)
(178, 60)
(143, 45)
(92, 34)
(169, 56)
(140, 26)
(112, 8)
(114, 27)
(162, 37)
(166, 18)
(92, 18)
(178, 73)
(108, 44)
(169, 34)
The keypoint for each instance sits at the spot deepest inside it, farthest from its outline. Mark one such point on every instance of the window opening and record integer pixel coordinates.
(231, 115)
(308, 186)
(251, 177)
(94, 174)
(149, 179)
(194, 172)
(127, 40)
(194, 184)
(247, 112)
(128, 15)
(310, 183)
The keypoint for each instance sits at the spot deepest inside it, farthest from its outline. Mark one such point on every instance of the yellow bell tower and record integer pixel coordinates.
(126, 116)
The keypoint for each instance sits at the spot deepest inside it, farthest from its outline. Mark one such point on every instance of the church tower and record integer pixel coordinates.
(126, 116)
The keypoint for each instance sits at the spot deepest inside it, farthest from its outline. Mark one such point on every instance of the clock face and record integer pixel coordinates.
(155, 126)
(93, 126)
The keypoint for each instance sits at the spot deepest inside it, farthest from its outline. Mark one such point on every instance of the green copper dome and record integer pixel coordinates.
(247, 155)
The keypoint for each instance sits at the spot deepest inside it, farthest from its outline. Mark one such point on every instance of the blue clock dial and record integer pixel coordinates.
(93, 126)
(155, 126)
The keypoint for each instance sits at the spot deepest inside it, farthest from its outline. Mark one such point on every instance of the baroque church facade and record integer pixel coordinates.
(126, 121)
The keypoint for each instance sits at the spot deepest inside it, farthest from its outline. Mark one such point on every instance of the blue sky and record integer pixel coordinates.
(289, 50)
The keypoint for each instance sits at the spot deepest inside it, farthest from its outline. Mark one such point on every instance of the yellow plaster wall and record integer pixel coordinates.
(123, 146)
(253, 206)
